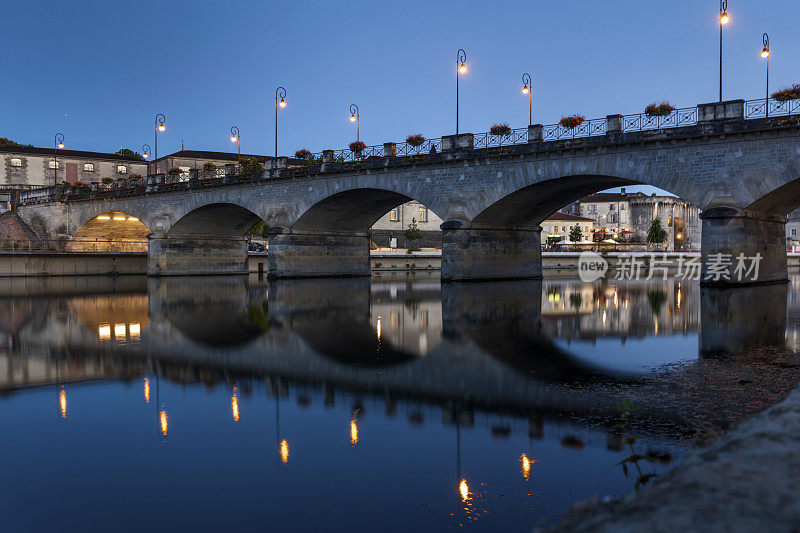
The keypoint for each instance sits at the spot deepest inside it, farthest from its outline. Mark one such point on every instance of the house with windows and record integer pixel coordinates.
(389, 230)
(557, 227)
(186, 160)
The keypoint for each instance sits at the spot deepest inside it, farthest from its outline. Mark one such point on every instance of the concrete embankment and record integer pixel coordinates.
(22, 264)
(746, 480)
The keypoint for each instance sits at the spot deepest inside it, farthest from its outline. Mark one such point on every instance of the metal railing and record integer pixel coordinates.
(486, 140)
(588, 128)
(675, 119)
(777, 108)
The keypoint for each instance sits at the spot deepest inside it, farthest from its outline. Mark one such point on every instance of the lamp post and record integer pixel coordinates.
(58, 143)
(527, 88)
(159, 126)
(236, 139)
(765, 55)
(146, 154)
(461, 68)
(354, 117)
(724, 19)
(279, 92)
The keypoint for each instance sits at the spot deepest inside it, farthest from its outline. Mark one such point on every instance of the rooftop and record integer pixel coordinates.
(558, 215)
(35, 150)
(218, 156)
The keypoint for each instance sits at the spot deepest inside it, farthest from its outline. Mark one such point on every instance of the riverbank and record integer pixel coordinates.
(746, 477)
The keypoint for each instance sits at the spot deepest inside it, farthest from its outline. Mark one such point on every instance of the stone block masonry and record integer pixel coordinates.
(294, 255)
(490, 254)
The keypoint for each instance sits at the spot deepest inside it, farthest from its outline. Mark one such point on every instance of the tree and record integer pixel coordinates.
(8, 142)
(413, 234)
(656, 234)
(261, 229)
(575, 234)
(130, 154)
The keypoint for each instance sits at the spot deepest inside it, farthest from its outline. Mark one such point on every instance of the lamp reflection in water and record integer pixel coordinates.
(284, 451)
(146, 390)
(354, 430)
(62, 402)
(463, 490)
(162, 417)
(235, 404)
(526, 466)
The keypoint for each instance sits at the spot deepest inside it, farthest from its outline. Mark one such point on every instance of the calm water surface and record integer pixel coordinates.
(391, 404)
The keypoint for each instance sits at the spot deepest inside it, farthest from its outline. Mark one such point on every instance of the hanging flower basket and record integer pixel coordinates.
(572, 122)
(357, 146)
(209, 167)
(784, 95)
(302, 154)
(500, 129)
(174, 172)
(659, 109)
(415, 140)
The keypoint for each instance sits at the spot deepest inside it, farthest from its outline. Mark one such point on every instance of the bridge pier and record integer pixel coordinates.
(294, 254)
(731, 233)
(191, 256)
(489, 253)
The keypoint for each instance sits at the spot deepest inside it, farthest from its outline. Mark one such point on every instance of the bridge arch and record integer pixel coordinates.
(111, 231)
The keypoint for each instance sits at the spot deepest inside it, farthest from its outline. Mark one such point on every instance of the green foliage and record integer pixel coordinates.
(261, 229)
(415, 139)
(657, 234)
(8, 142)
(357, 146)
(572, 121)
(250, 165)
(629, 439)
(656, 299)
(575, 234)
(413, 234)
(130, 154)
(259, 315)
(575, 300)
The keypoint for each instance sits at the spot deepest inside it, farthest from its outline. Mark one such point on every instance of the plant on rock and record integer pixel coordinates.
(357, 146)
(790, 93)
(415, 140)
(659, 109)
(500, 129)
(572, 122)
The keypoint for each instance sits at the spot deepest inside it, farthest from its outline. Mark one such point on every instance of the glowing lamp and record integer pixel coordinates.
(60, 145)
(525, 90)
(161, 127)
(282, 103)
(463, 68)
(352, 118)
(765, 53)
(724, 18)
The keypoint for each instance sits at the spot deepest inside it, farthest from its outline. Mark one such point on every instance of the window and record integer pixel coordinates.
(622, 207)
(423, 214)
(53, 164)
(16, 162)
(122, 169)
(88, 167)
(611, 207)
(794, 232)
(394, 215)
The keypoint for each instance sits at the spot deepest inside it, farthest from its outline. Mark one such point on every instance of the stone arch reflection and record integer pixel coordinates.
(354, 323)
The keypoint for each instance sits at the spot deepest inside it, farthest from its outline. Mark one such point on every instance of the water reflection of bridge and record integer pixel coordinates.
(486, 345)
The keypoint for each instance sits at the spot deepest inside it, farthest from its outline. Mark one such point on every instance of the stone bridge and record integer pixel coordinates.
(743, 174)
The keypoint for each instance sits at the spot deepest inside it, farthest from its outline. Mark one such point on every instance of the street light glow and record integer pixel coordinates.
(724, 18)
(765, 53)
(352, 118)
(463, 68)
(282, 103)
(525, 90)
(233, 138)
(60, 146)
(161, 127)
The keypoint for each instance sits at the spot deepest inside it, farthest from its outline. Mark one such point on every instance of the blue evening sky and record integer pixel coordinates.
(100, 70)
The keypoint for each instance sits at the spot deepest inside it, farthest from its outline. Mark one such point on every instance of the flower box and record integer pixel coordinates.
(659, 109)
(357, 146)
(303, 154)
(784, 95)
(500, 129)
(572, 122)
(415, 140)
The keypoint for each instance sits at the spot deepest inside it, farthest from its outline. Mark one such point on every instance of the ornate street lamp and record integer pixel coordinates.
(58, 144)
(461, 66)
(724, 19)
(236, 139)
(527, 88)
(146, 154)
(354, 117)
(765, 55)
(159, 126)
(280, 92)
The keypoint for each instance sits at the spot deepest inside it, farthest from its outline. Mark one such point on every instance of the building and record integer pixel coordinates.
(626, 217)
(28, 167)
(557, 228)
(389, 230)
(793, 231)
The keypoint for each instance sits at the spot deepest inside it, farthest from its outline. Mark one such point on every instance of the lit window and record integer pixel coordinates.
(16, 162)
(88, 167)
(394, 215)
(423, 214)
(53, 164)
(122, 169)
